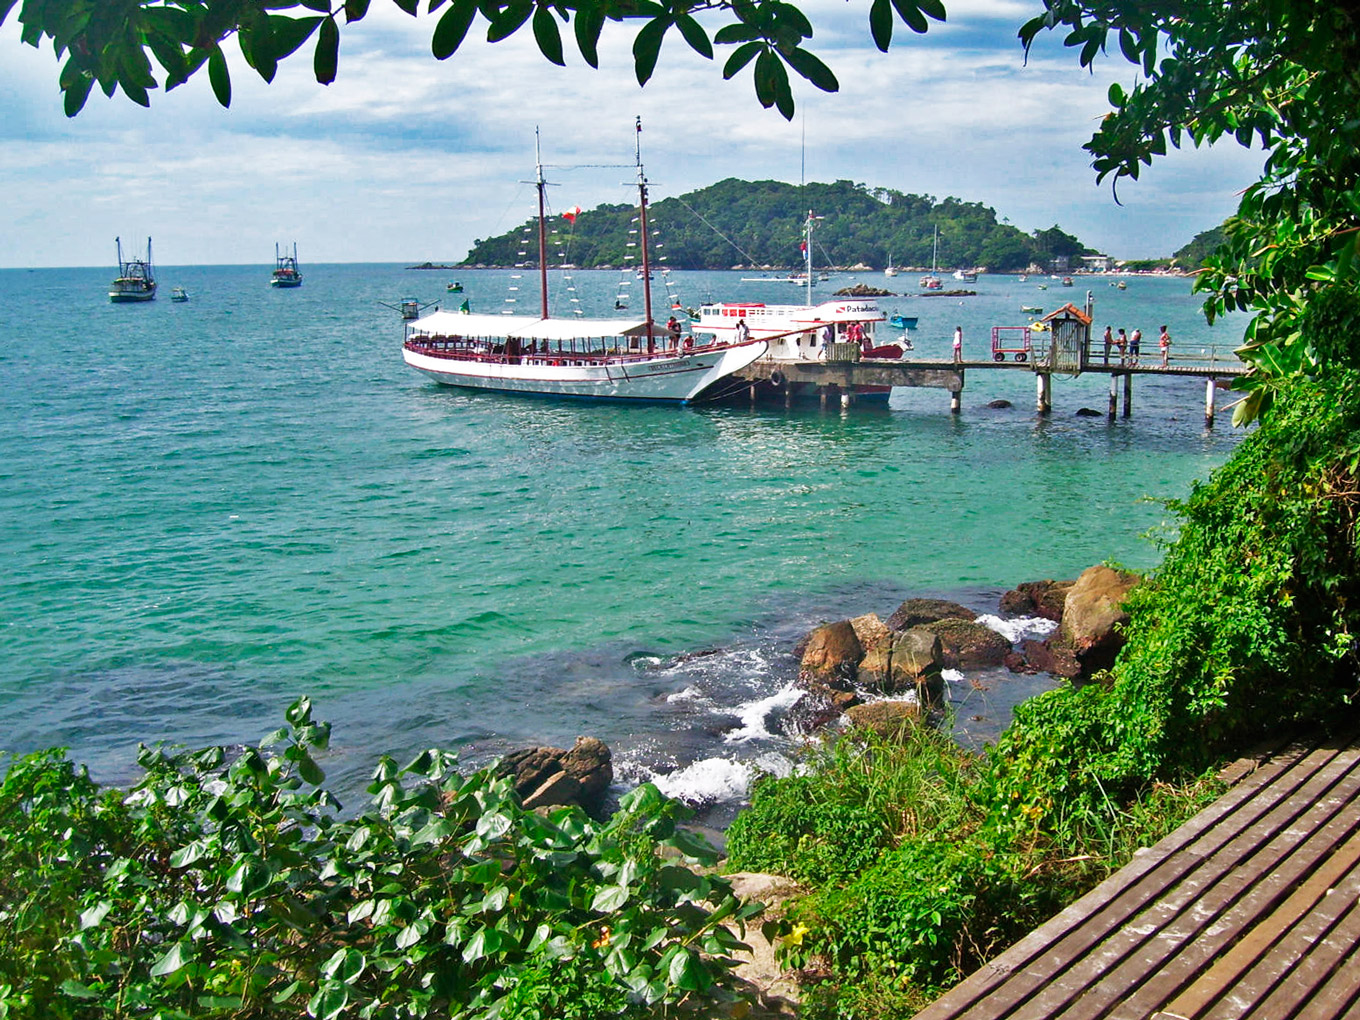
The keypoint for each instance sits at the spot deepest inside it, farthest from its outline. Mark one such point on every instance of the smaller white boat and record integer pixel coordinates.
(966, 275)
(891, 270)
(179, 295)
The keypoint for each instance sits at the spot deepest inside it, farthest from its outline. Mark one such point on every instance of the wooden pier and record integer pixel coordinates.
(836, 382)
(1249, 910)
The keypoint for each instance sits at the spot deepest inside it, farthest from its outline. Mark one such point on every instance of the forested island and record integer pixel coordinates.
(737, 223)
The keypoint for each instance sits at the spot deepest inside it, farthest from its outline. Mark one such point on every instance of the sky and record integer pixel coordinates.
(409, 159)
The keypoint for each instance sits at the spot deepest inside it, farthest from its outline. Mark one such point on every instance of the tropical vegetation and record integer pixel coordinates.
(760, 223)
(232, 885)
(1249, 624)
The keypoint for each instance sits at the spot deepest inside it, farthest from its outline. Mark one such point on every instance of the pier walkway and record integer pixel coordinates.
(838, 380)
(1249, 910)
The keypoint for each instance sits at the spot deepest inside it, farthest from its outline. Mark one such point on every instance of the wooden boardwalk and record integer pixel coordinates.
(1250, 909)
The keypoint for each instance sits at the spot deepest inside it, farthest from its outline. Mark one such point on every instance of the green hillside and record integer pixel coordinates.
(760, 223)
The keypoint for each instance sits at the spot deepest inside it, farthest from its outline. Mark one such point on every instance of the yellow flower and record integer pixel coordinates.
(795, 937)
(603, 940)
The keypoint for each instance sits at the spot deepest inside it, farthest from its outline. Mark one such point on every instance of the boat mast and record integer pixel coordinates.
(807, 242)
(642, 226)
(542, 230)
(119, 242)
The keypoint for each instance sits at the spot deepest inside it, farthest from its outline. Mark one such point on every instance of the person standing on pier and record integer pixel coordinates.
(1109, 339)
(958, 344)
(1164, 342)
(1135, 345)
(1121, 341)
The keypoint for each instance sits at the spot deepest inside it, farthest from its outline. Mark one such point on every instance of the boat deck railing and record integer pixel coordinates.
(459, 348)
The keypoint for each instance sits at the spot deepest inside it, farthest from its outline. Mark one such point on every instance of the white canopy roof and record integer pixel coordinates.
(526, 327)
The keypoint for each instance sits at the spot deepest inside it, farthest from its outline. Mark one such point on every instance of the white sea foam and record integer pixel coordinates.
(1020, 628)
(712, 780)
(954, 676)
(755, 714)
(690, 693)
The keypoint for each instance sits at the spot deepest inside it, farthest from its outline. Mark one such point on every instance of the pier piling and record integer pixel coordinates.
(1209, 385)
(1045, 384)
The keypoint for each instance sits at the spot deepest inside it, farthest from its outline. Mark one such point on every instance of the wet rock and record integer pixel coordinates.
(1046, 657)
(1037, 598)
(552, 776)
(914, 612)
(871, 631)
(1088, 412)
(966, 644)
(998, 405)
(917, 661)
(830, 654)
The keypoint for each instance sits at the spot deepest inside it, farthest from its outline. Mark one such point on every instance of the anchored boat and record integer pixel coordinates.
(286, 273)
(614, 359)
(136, 279)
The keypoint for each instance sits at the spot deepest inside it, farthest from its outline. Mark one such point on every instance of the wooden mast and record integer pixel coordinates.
(642, 226)
(542, 230)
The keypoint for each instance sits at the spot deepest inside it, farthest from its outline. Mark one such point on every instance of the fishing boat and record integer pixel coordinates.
(454, 287)
(612, 359)
(966, 275)
(931, 281)
(179, 295)
(286, 272)
(136, 279)
(1067, 281)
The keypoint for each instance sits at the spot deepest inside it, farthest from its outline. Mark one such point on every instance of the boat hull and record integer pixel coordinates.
(120, 297)
(680, 378)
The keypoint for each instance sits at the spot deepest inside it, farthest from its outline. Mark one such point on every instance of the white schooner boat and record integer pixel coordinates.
(611, 359)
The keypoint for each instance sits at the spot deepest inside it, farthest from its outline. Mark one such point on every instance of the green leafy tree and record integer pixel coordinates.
(139, 45)
(1278, 74)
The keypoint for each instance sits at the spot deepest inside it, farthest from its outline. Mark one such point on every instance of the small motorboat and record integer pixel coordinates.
(455, 287)
(179, 294)
(1032, 309)
(903, 321)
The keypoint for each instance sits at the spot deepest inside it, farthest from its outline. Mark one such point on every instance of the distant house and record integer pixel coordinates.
(1098, 263)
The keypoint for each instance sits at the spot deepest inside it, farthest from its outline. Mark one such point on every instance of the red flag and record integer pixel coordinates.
(571, 214)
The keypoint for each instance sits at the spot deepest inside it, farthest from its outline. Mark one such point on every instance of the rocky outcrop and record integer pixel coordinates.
(863, 290)
(914, 612)
(1037, 598)
(1093, 617)
(552, 776)
(1090, 622)
(831, 653)
(966, 644)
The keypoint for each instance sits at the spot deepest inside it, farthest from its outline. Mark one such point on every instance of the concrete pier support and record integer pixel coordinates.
(1128, 394)
(1114, 396)
(955, 401)
(1045, 383)
(1209, 403)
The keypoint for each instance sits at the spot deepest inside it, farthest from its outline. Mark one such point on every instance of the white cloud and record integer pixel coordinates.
(407, 158)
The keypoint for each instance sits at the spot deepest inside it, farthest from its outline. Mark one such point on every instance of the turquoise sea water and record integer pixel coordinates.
(207, 509)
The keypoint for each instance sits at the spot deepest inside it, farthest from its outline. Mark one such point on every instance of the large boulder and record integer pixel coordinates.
(1037, 598)
(1093, 616)
(871, 631)
(916, 664)
(553, 776)
(831, 654)
(966, 644)
(914, 612)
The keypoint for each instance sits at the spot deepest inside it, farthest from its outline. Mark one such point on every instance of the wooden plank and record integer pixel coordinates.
(1340, 996)
(1235, 905)
(1319, 944)
(1138, 955)
(1226, 978)
(1037, 960)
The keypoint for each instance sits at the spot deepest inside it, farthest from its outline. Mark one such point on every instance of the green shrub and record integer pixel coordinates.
(851, 802)
(234, 888)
